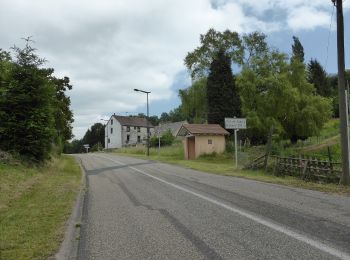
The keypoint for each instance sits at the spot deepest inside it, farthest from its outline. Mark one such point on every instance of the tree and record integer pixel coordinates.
(62, 113)
(164, 117)
(298, 50)
(176, 115)
(167, 138)
(222, 95)
(154, 120)
(317, 76)
(194, 101)
(94, 135)
(275, 92)
(27, 121)
(199, 60)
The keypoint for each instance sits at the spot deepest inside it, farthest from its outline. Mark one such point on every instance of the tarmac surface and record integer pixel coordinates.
(138, 209)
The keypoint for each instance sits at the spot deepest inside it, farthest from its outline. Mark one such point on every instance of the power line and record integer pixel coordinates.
(329, 35)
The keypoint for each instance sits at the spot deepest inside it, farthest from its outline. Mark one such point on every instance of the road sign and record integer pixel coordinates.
(235, 123)
(86, 146)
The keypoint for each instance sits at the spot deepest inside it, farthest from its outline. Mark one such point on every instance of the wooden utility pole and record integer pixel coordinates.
(343, 102)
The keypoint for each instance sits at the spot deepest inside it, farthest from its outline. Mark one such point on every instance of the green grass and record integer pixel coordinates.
(223, 164)
(34, 206)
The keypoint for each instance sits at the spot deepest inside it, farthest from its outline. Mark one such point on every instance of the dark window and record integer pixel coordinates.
(127, 138)
(139, 139)
(134, 127)
(111, 130)
(210, 141)
(128, 128)
(109, 140)
(111, 121)
(138, 129)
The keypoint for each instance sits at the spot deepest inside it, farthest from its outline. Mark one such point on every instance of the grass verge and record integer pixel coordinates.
(35, 204)
(224, 165)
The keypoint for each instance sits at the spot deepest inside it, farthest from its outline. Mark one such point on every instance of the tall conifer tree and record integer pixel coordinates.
(298, 50)
(222, 94)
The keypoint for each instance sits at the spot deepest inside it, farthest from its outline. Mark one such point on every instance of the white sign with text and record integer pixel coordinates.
(235, 123)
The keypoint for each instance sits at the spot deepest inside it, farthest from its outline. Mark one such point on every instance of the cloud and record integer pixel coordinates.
(109, 47)
(307, 18)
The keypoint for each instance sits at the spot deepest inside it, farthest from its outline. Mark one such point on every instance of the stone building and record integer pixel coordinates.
(123, 131)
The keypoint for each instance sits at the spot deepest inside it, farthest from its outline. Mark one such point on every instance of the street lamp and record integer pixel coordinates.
(106, 131)
(147, 92)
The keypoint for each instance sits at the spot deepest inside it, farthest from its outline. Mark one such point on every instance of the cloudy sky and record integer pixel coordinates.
(110, 47)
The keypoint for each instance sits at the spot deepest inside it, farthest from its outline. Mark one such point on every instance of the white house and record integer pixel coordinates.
(126, 130)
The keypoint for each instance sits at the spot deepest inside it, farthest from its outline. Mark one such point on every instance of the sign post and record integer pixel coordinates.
(236, 124)
(86, 146)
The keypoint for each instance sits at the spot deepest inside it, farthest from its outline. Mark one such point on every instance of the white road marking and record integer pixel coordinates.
(285, 230)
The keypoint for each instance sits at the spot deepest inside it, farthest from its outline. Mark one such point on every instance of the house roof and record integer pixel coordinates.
(132, 121)
(173, 127)
(201, 129)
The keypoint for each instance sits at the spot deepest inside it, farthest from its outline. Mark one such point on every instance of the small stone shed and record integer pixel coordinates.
(202, 139)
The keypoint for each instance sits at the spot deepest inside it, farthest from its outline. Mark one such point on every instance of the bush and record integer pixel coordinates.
(167, 138)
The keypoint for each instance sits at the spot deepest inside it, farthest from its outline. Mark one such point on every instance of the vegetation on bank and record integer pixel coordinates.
(35, 203)
(35, 112)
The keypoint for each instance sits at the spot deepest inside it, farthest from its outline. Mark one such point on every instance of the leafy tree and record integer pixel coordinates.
(222, 95)
(255, 46)
(164, 117)
(275, 92)
(176, 115)
(94, 135)
(76, 146)
(27, 121)
(318, 76)
(167, 138)
(194, 101)
(63, 114)
(154, 120)
(199, 60)
(298, 50)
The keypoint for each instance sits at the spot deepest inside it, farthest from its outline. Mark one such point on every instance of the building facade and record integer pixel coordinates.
(202, 139)
(121, 131)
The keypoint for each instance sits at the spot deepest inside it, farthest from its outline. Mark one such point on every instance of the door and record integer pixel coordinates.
(191, 148)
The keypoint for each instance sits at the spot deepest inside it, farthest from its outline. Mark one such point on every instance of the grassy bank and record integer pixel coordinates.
(34, 206)
(224, 165)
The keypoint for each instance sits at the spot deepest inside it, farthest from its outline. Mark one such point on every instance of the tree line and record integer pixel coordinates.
(35, 115)
(269, 88)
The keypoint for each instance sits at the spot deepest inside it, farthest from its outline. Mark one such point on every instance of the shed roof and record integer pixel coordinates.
(132, 121)
(201, 129)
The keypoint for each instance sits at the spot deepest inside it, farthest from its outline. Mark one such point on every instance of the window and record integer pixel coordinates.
(127, 138)
(109, 140)
(134, 127)
(210, 141)
(111, 130)
(111, 121)
(128, 128)
(138, 129)
(139, 139)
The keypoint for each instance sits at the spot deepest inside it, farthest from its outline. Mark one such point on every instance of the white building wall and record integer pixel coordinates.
(115, 140)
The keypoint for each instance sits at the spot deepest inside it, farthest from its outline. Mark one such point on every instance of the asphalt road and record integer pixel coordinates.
(137, 209)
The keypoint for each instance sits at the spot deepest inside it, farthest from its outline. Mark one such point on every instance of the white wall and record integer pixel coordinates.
(115, 137)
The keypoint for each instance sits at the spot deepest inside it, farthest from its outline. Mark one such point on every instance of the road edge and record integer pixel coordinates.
(70, 243)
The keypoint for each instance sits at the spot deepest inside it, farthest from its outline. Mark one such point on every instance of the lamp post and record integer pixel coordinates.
(147, 92)
(106, 132)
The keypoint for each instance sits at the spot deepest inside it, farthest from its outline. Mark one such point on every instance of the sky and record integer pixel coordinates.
(109, 47)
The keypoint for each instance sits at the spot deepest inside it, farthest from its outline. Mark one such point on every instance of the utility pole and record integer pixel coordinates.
(148, 133)
(343, 102)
